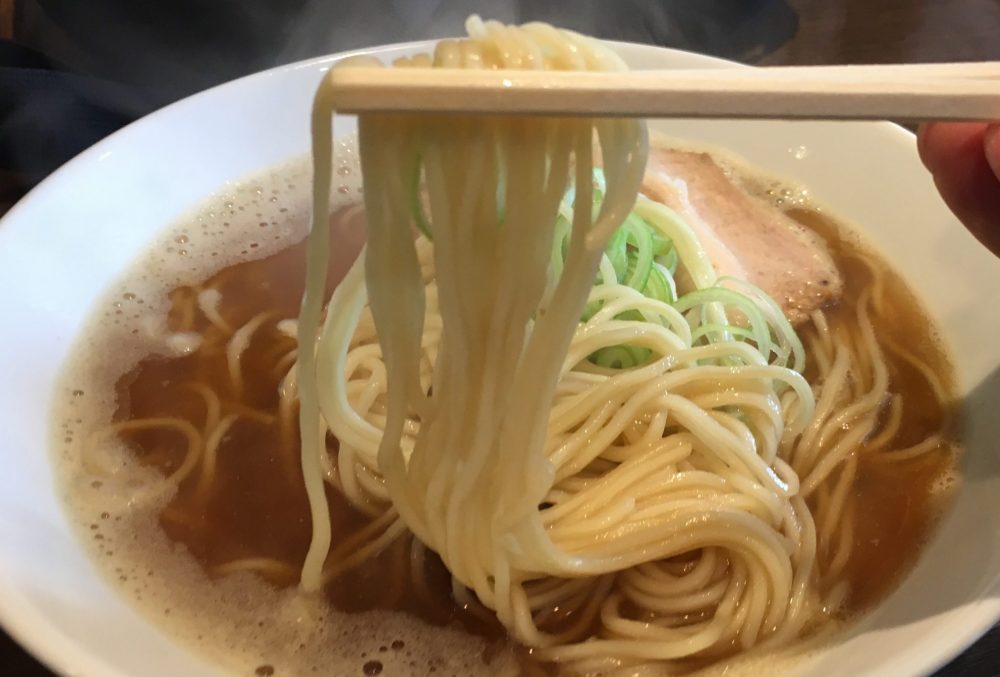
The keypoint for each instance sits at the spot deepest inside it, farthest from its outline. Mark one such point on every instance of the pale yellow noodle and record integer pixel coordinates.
(237, 345)
(209, 457)
(190, 458)
(208, 303)
(677, 486)
(264, 566)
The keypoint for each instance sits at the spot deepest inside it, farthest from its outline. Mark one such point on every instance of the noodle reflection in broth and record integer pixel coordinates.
(535, 371)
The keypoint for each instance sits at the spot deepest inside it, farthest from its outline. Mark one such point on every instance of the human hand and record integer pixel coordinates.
(964, 159)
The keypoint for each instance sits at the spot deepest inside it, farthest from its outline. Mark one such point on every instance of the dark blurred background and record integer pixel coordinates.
(74, 71)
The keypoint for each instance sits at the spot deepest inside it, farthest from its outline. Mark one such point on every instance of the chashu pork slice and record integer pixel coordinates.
(744, 236)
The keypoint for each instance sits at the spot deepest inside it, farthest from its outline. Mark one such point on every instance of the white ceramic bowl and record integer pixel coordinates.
(75, 233)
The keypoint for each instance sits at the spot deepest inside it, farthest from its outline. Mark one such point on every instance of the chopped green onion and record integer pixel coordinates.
(618, 253)
(642, 255)
(620, 357)
(660, 285)
(669, 259)
(760, 331)
(641, 263)
(706, 329)
(661, 243)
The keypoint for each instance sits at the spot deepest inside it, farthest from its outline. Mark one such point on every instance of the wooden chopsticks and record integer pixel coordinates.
(955, 91)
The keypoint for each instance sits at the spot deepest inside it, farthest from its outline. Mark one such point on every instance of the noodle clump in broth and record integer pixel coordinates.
(658, 498)
(539, 373)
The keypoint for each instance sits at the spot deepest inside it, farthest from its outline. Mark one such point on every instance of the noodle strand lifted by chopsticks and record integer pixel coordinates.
(660, 500)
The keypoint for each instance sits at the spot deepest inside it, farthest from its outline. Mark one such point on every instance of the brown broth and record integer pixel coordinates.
(897, 504)
(257, 505)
